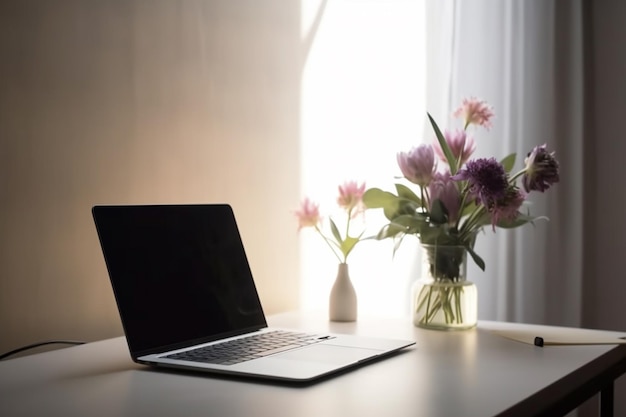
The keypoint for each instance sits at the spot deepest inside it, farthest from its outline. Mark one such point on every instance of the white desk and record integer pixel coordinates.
(468, 373)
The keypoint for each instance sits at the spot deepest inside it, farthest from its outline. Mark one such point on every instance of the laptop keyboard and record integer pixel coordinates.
(248, 348)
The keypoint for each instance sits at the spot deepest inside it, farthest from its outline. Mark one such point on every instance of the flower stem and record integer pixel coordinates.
(430, 292)
(348, 222)
(517, 175)
(330, 244)
(471, 222)
(464, 194)
(459, 311)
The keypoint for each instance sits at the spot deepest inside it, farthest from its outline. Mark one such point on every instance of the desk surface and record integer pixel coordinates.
(467, 373)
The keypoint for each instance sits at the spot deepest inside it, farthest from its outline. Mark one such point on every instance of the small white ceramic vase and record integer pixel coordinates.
(342, 303)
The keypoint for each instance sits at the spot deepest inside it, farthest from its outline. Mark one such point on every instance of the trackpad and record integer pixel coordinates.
(329, 354)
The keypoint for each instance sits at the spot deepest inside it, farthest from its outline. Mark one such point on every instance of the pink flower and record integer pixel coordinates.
(351, 195)
(475, 111)
(418, 165)
(461, 145)
(308, 215)
(444, 189)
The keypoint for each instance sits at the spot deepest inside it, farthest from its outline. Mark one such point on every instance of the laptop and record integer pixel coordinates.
(187, 299)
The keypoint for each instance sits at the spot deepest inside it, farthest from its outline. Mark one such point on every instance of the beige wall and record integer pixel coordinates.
(139, 102)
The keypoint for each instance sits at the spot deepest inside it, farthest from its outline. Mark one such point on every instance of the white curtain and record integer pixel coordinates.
(526, 59)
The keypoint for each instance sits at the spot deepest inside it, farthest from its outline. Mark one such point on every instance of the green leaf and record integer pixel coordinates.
(484, 219)
(392, 205)
(391, 213)
(397, 243)
(438, 212)
(349, 244)
(389, 202)
(431, 235)
(412, 223)
(390, 230)
(520, 220)
(508, 162)
(477, 259)
(377, 198)
(468, 207)
(335, 231)
(387, 231)
(452, 162)
(406, 193)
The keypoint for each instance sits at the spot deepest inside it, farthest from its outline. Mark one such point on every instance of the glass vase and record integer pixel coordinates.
(442, 298)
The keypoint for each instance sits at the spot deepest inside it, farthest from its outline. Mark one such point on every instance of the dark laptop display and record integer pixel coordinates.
(182, 276)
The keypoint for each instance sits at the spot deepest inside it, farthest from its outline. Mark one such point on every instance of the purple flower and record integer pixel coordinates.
(461, 145)
(444, 189)
(418, 165)
(507, 208)
(486, 181)
(542, 170)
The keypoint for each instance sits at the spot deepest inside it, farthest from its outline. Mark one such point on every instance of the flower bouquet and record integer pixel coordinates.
(343, 303)
(456, 198)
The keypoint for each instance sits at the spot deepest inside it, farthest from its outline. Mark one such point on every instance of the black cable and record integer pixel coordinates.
(34, 345)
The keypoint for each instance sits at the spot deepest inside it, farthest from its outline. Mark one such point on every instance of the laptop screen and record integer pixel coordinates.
(179, 274)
